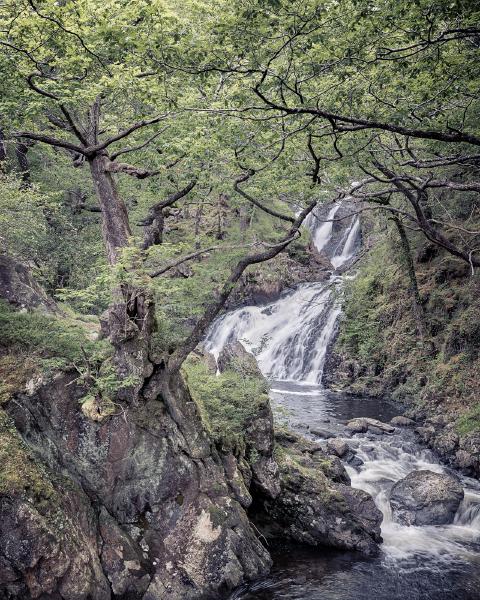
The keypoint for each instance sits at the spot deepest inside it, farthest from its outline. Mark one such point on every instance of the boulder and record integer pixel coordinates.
(364, 424)
(426, 434)
(426, 498)
(445, 442)
(317, 506)
(401, 421)
(234, 357)
(338, 447)
(322, 433)
(357, 426)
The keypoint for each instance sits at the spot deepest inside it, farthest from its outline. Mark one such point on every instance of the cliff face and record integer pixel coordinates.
(141, 501)
(140, 506)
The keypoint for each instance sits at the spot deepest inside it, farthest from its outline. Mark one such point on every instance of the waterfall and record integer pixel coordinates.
(347, 245)
(322, 231)
(290, 336)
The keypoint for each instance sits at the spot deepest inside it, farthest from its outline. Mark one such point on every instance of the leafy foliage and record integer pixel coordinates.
(227, 402)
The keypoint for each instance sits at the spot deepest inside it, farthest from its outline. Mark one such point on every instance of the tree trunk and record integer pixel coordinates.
(153, 234)
(198, 220)
(21, 150)
(417, 308)
(115, 225)
(3, 149)
(129, 321)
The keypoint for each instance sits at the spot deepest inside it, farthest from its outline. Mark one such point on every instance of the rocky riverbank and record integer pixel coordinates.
(135, 502)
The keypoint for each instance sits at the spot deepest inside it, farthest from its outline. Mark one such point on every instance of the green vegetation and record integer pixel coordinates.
(153, 154)
(379, 338)
(227, 402)
(21, 475)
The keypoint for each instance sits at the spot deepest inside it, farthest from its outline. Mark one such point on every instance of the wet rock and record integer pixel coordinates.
(364, 424)
(401, 421)
(150, 469)
(470, 444)
(357, 426)
(317, 506)
(426, 498)
(464, 460)
(338, 447)
(354, 460)
(322, 433)
(445, 442)
(426, 434)
(259, 438)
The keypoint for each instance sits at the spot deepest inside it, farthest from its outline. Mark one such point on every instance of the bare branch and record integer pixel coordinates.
(51, 141)
(126, 132)
(178, 357)
(269, 211)
(115, 155)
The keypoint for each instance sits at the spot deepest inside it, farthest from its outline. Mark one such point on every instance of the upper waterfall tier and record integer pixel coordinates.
(290, 336)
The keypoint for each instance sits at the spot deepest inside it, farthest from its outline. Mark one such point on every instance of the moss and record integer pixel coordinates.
(49, 342)
(98, 408)
(379, 349)
(469, 422)
(21, 475)
(217, 515)
(15, 371)
(226, 402)
(293, 468)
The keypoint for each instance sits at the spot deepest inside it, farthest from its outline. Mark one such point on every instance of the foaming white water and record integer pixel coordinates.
(322, 231)
(391, 459)
(289, 337)
(347, 244)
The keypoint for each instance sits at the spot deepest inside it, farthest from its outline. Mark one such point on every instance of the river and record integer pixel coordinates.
(289, 338)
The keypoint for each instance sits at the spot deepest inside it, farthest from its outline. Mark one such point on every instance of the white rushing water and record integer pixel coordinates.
(289, 337)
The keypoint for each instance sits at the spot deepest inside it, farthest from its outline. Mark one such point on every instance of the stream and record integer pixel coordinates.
(289, 338)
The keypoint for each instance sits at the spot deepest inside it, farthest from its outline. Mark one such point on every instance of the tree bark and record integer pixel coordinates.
(3, 148)
(21, 150)
(115, 224)
(417, 307)
(129, 321)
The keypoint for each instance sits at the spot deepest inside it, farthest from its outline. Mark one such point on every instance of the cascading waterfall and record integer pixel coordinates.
(289, 337)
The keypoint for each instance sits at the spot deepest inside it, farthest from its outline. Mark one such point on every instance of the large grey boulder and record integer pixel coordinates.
(426, 498)
(338, 447)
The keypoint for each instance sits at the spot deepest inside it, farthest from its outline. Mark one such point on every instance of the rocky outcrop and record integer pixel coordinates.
(137, 502)
(49, 545)
(258, 429)
(438, 431)
(159, 514)
(316, 505)
(19, 288)
(426, 498)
